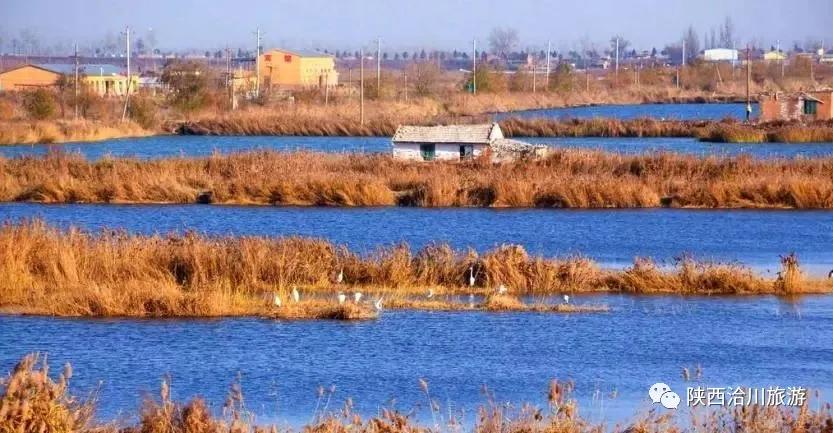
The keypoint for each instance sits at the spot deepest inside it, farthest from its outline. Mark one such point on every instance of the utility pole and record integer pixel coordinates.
(405, 77)
(780, 57)
(534, 82)
(326, 88)
(378, 68)
(361, 81)
(617, 60)
(257, 65)
(586, 74)
(748, 82)
(474, 68)
(549, 49)
(76, 81)
(129, 77)
(230, 79)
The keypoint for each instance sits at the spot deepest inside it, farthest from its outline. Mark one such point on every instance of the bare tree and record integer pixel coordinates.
(623, 45)
(503, 41)
(692, 43)
(423, 76)
(727, 33)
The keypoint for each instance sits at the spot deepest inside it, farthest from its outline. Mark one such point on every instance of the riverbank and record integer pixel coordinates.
(566, 178)
(47, 271)
(33, 400)
(337, 119)
(66, 131)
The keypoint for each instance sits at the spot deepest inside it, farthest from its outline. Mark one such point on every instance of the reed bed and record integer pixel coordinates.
(32, 401)
(47, 271)
(566, 178)
(31, 132)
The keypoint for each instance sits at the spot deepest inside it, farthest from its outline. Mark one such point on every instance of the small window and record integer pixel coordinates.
(268, 57)
(428, 151)
(810, 107)
(466, 151)
(287, 58)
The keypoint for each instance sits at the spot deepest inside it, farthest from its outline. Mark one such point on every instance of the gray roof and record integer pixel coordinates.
(472, 134)
(68, 69)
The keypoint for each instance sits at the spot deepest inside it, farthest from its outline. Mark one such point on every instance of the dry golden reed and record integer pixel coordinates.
(567, 178)
(44, 270)
(30, 401)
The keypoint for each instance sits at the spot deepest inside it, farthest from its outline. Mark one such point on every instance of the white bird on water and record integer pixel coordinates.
(566, 299)
(357, 297)
(378, 304)
(276, 299)
(341, 298)
(471, 276)
(501, 290)
(430, 294)
(296, 297)
(340, 276)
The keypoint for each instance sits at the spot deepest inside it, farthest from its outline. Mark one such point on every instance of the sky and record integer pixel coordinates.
(446, 24)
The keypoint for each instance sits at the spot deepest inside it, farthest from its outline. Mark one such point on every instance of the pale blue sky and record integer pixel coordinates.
(340, 24)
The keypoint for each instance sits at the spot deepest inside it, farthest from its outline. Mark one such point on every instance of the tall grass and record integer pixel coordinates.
(44, 270)
(30, 401)
(567, 178)
(30, 132)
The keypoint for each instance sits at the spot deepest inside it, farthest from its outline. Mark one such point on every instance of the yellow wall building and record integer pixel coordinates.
(774, 56)
(295, 69)
(104, 80)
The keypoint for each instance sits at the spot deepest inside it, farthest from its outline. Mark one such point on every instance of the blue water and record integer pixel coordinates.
(753, 342)
(635, 111)
(612, 237)
(196, 146)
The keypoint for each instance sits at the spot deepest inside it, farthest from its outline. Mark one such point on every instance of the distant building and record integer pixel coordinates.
(105, 80)
(720, 55)
(817, 105)
(772, 56)
(297, 69)
(459, 142)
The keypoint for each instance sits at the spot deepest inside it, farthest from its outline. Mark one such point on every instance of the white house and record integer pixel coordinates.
(450, 142)
(720, 55)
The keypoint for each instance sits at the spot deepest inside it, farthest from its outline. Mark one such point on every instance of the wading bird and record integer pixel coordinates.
(566, 299)
(378, 304)
(357, 297)
(296, 297)
(830, 274)
(471, 276)
(276, 299)
(341, 298)
(340, 276)
(430, 294)
(501, 290)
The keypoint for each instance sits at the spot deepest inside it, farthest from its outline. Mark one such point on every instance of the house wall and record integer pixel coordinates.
(111, 85)
(825, 109)
(27, 77)
(443, 151)
(281, 68)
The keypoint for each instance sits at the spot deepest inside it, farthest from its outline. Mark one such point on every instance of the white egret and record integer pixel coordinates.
(378, 304)
(566, 299)
(501, 290)
(296, 297)
(471, 276)
(430, 294)
(276, 300)
(340, 276)
(341, 298)
(357, 297)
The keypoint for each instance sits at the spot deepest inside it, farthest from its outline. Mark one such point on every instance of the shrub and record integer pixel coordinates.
(142, 110)
(40, 104)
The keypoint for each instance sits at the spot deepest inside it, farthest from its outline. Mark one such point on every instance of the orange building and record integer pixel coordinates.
(296, 69)
(28, 77)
